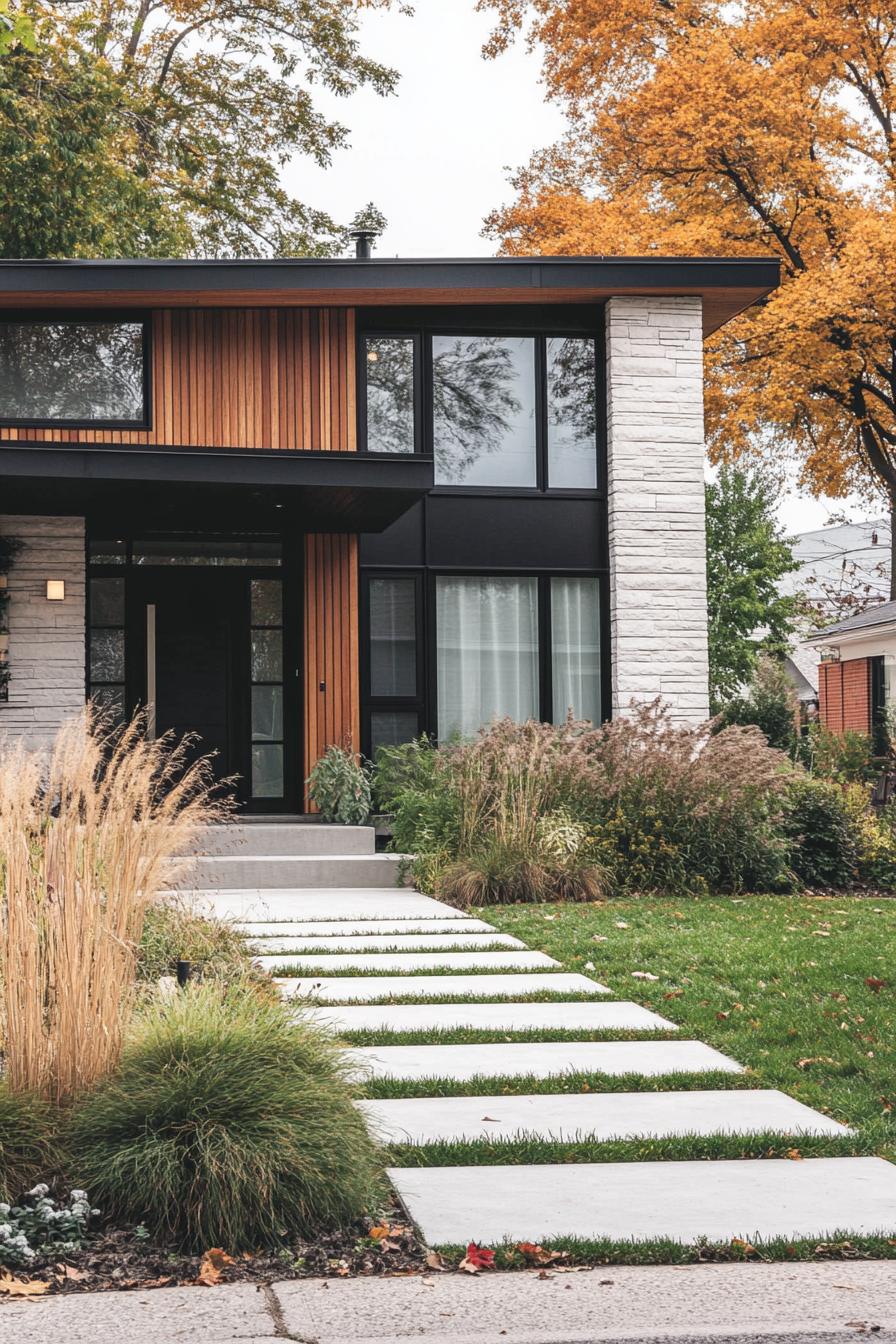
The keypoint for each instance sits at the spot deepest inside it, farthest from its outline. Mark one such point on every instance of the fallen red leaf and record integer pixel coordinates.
(477, 1258)
(874, 984)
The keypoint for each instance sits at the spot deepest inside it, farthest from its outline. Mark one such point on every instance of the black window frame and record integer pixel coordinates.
(386, 333)
(537, 323)
(370, 703)
(116, 317)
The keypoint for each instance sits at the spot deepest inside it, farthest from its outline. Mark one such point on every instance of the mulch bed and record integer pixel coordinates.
(122, 1258)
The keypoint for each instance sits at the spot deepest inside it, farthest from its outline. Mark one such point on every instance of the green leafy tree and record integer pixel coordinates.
(160, 127)
(747, 555)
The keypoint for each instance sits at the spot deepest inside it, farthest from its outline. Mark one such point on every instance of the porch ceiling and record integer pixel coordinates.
(317, 492)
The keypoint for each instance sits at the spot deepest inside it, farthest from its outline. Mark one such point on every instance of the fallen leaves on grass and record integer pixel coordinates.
(212, 1266)
(643, 975)
(23, 1287)
(813, 1059)
(477, 1258)
(874, 984)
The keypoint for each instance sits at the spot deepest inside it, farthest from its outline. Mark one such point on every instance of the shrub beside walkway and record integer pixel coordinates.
(671, 1162)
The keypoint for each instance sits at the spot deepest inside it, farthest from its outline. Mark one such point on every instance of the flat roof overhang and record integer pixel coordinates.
(727, 285)
(174, 486)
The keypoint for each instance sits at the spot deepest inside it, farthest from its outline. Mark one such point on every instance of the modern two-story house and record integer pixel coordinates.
(283, 504)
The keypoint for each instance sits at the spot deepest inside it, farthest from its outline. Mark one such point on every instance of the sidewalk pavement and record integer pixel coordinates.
(746, 1304)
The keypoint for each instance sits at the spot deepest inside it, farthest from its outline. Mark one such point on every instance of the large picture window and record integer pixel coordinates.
(72, 373)
(486, 652)
(483, 410)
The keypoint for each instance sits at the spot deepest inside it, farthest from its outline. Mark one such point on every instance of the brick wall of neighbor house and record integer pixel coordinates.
(844, 695)
(656, 518)
(46, 639)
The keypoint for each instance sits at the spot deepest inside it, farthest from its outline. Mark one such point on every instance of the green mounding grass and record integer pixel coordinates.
(525, 1085)
(28, 1142)
(839, 1244)
(779, 983)
(534, 996)
(228, 1123)
(528, 1150)
(488, 1036)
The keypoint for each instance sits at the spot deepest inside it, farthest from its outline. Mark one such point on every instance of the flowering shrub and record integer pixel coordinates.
(39, 1227)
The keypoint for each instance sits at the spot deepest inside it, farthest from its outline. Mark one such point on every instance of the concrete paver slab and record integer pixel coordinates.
(564, 1117)
(648, 1200)
(613, 1016)
(290, 903)
(541, 1059)
(383, 942)
(360, 988)
(344, 928)
(408, 963)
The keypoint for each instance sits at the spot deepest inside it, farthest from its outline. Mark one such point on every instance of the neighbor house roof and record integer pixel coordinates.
(882, 614)
(726, 285)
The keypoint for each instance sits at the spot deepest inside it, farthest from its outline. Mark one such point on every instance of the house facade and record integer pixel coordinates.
(283, 504)
(857, 672)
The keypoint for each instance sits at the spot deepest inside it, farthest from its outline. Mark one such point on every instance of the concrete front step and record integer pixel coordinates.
(407, 963)
(363, 988)
(296, 905)
(539, 1059)
(383, 942)
(647, 1201)
(242, 838)
(567, 1117)
(223, 872)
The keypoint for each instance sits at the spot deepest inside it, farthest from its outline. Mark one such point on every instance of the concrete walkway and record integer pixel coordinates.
(345, 919)
(730, 1304)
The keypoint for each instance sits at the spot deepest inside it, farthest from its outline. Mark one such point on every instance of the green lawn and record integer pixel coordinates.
(802, 990)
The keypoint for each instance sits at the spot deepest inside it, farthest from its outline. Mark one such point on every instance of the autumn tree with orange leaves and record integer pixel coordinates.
(701, 127)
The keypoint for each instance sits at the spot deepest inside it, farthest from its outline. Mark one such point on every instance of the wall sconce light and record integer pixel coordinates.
(55, 590)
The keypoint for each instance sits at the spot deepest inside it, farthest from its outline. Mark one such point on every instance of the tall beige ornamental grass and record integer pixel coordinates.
(86, 831)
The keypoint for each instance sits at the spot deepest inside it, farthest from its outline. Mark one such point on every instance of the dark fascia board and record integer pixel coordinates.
(729, 284)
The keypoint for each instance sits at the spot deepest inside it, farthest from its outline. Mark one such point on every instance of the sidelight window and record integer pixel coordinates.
(266, 675)
(106, 647)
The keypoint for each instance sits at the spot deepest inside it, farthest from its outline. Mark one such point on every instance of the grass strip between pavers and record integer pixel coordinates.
(841, 1244)
(395, 949)
(527, 1085)
(294, 971)
(528, 1150)
(495, 1036)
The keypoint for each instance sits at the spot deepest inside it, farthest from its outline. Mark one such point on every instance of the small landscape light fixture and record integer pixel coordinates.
(55, 590)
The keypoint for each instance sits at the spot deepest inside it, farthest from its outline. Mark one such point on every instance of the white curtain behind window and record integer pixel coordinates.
(487, 647)
(575, 648)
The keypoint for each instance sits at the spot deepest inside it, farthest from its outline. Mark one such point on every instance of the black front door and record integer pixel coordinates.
(206, 657)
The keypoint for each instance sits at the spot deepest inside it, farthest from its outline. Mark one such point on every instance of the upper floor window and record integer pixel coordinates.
(505, 411)
(72, 372)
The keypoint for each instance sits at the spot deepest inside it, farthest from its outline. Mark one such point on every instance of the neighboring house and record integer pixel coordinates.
(284, 504)
(856, 681)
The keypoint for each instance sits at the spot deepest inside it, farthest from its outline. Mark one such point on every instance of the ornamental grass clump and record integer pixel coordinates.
(28, 1149)
(230, 1122)
(535, 811)
(87, 833)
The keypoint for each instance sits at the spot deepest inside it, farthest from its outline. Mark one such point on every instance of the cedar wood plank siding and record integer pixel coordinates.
(267, 378)
(332, 693)
(242, 378)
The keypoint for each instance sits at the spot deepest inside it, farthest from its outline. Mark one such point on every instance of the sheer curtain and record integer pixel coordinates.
(575, 648)
(487, 652)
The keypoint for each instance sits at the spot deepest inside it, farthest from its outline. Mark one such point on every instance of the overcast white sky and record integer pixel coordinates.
(435, 157)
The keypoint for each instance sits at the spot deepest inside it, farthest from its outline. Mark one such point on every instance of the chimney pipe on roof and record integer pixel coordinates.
(364, 242)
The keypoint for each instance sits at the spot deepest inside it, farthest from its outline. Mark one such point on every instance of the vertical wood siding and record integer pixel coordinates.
(332, 715)
(844, 695)
(242, 378)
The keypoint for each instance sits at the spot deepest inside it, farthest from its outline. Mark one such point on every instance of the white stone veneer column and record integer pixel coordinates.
(657, 539)
(46, 639)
